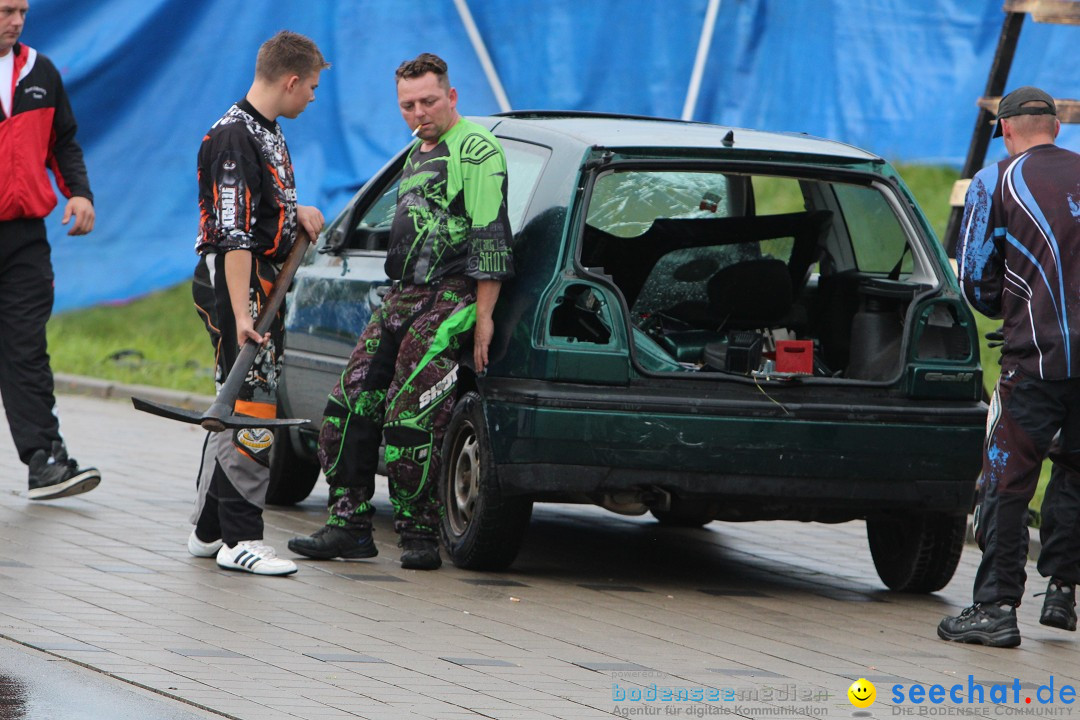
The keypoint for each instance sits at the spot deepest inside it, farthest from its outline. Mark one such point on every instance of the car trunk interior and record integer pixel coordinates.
(742, 275)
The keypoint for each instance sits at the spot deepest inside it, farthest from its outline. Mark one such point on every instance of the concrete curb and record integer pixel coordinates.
(109, 390)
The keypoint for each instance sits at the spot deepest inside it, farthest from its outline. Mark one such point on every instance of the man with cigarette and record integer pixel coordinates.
(449, 251)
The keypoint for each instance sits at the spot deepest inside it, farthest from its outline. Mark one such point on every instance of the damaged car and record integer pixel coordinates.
(707, 324)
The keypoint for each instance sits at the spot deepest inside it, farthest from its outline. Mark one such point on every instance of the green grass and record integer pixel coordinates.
(153, 340)
(931, 186)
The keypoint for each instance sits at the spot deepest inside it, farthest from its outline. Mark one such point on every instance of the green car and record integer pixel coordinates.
(707, 324)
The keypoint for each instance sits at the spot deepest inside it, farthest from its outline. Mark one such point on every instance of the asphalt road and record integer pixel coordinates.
(35, 685)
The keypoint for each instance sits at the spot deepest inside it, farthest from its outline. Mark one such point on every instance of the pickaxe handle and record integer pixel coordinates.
(221, 415)
(223, 407)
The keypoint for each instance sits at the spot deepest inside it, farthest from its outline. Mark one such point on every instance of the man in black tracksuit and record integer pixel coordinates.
(37, 133)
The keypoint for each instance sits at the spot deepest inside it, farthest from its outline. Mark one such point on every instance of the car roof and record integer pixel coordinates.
(632, 131)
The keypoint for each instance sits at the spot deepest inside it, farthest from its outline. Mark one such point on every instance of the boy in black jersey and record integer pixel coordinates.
(249, 219)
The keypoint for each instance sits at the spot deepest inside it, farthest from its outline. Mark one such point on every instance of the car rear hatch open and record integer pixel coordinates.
(750, 271)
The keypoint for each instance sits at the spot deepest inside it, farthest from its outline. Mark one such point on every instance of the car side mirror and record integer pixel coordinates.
(363, 238)
(335, 241)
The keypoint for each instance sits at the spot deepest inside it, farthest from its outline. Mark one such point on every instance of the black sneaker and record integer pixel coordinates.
(331, 541)
(58, 476)
(982, 624)
(420, 554)
(1059, 607)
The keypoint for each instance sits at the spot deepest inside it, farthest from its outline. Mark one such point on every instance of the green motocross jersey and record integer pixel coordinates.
(451, 214)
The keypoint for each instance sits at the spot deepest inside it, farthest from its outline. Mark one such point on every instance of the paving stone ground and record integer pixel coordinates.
(779, 617)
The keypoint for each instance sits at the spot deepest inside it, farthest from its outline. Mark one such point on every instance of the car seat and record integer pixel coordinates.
(750, 295)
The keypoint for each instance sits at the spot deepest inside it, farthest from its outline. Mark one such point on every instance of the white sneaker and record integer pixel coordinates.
(254, 557)
(198, 548)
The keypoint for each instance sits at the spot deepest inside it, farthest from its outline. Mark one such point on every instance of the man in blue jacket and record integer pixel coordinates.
(37, 133)
(1019, 259)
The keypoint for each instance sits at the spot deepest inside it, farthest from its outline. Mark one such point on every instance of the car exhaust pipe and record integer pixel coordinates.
(635, 501)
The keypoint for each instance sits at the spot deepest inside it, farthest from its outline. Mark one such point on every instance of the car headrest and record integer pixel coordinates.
(751, 294)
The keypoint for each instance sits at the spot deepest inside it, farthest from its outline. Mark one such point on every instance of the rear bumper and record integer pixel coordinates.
(746, 497)
(760, 458)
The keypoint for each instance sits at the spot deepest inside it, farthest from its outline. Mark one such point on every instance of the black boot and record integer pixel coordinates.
(420, 554)
(1059, 607)
(331, 541)
(983, 624)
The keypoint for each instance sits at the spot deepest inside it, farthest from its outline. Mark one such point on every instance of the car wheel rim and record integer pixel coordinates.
(464, 490)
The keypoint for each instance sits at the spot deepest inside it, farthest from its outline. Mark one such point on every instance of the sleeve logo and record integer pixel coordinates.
(228, 206)
(228, 195)
(476, 149)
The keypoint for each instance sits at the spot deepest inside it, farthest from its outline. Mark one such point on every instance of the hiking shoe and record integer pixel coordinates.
(420, 554)
(982, 624)
(254, 557)
(331, 541)
(58, 476)
(1059, 607)
(201, 549)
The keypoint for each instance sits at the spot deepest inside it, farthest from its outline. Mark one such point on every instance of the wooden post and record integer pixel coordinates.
(980, 138)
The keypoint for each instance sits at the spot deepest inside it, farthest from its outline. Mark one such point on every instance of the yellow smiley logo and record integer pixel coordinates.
(862, 693)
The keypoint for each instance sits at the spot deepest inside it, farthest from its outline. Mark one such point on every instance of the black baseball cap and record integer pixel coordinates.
(1012, 105)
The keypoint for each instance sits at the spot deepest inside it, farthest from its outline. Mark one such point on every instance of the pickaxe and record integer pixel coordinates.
(221, 413)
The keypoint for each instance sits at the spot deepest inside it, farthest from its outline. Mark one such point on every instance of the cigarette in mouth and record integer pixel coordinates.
(417, 130)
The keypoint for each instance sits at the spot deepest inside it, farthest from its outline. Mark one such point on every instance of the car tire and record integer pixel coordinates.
(916, 553)
(685, 515)
(292, 476)
(481, 529)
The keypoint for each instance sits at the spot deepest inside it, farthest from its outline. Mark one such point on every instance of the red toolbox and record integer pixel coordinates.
(795, 356)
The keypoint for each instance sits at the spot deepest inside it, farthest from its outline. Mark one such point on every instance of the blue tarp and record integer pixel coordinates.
(148, 77)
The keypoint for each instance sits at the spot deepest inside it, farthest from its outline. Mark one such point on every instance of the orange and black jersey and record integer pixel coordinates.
(247, 192)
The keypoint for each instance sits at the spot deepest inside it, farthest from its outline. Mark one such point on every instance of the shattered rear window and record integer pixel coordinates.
(625, 204)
